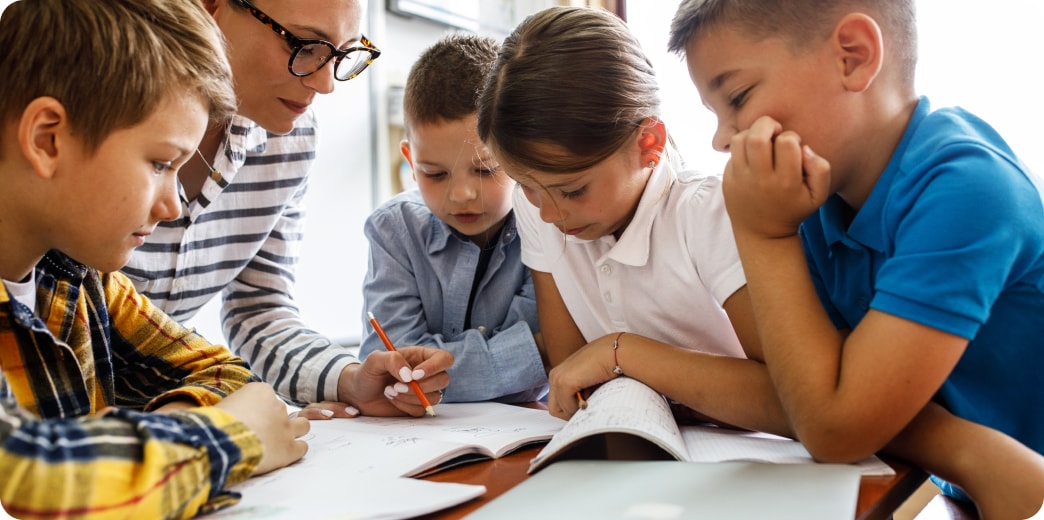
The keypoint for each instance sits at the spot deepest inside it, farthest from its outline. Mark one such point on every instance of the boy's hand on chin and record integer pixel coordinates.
(772, 182)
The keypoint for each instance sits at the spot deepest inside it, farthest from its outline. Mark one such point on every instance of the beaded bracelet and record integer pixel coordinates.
(616, 344)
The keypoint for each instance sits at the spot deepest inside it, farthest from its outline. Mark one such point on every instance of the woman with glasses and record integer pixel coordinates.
(241, 221)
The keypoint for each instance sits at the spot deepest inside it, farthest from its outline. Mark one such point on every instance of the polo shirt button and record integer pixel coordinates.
(482, 330)
(608, 297)
(607, 269)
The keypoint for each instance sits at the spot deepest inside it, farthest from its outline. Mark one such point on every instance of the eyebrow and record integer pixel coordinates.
(561, 184)
(322, 35)
(720, 80)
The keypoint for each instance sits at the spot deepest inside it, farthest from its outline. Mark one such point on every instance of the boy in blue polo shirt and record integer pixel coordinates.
(894, 254)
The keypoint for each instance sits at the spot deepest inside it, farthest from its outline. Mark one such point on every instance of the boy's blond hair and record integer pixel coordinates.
(111, 62)
(800, 23)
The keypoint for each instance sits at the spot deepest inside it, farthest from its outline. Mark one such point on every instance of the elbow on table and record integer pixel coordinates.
(839, 445)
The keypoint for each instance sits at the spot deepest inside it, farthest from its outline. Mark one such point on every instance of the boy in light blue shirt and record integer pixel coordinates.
(445, 266)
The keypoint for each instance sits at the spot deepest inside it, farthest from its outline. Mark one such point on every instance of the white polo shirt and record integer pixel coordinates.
(671, 292)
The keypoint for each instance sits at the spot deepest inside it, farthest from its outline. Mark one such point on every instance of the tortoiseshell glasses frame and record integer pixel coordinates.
(308, 55)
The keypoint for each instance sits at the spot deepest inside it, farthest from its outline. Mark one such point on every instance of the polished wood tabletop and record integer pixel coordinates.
(879, 497)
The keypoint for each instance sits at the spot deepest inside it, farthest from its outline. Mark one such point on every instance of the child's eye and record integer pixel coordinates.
(575, 194)
(740, 98)
(162, 167)
(434, 175)
(488, 171)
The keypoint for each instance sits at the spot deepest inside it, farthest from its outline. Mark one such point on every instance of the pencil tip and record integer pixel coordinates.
(430, 410)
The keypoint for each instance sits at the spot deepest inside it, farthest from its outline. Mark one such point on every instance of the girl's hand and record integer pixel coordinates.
(588, 367)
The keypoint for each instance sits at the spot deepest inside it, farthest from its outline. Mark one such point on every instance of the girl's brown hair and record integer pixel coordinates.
(574, 78)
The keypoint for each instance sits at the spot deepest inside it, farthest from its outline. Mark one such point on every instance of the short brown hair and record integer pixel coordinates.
(799, 23)
(574, 78)
(111, 62)
(444, 82)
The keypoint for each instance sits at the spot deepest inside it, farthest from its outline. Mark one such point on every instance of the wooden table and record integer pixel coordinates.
(878, 496)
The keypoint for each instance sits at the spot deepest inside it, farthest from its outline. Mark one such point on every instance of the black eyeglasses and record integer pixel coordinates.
(308, 55)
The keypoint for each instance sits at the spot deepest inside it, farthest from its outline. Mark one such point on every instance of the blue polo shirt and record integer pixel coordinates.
(952, 237)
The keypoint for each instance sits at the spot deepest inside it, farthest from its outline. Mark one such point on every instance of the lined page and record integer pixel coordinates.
(620, 405)
(712, 444)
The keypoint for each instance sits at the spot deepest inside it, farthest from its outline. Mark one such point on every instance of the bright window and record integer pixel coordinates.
(985, 57)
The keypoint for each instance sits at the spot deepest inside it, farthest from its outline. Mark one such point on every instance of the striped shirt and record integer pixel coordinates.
(96, 344)
(241, 237)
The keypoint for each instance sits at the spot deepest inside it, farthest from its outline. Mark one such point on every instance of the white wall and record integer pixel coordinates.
(984, 57)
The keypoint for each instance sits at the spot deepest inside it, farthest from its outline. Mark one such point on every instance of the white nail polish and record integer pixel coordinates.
(418, 374)
(401, 388)
(390, 392)
(405, 375)
(326, 413)
(351, 410)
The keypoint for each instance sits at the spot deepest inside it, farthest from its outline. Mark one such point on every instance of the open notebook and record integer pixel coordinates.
(665, 490)
(355, 468)
(625, 419)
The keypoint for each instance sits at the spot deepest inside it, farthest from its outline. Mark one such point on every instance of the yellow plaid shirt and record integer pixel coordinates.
(97, 343)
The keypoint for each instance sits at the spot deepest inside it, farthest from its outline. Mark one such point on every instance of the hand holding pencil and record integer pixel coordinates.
(428, 408)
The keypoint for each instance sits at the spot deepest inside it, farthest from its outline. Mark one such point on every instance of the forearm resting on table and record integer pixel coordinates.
(1004, 477)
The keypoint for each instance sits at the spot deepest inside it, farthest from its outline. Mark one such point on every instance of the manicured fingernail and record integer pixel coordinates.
(326, 413)
(401, 388)
(390, 392)
(405, 374)
(418, 373)
(351, 410)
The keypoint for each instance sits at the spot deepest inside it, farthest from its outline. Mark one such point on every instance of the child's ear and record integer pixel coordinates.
(404, 148)
(860, 50)
(41, 131)
(652, 138)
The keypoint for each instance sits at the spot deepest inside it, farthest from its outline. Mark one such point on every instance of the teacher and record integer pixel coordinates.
(240, 229)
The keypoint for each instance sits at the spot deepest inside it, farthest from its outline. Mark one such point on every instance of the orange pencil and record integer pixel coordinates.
(391, 348)
(580, 400)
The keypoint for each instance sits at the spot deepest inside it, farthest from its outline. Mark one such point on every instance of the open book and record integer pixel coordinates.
(371, 455)
(412, 447)
(625, 419)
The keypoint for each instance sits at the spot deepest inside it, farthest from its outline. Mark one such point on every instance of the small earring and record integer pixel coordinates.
(652, 164)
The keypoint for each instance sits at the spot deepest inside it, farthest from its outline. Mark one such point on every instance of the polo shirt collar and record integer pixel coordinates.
(866, 228)
(633, 247)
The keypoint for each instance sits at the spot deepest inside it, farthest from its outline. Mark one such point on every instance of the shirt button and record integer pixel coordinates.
(482, 330)
(607, 269)
(608, 297)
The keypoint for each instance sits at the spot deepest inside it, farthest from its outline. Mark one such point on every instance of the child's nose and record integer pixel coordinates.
(463, 190)
(550, 212)
(168, 204)
(723, 136)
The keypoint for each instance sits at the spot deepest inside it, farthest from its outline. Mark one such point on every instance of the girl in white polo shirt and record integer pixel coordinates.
(633, 260)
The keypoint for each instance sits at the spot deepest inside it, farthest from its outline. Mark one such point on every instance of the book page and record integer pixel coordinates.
(328, 493)
(621, 405)
(713, 444)
(407, 446)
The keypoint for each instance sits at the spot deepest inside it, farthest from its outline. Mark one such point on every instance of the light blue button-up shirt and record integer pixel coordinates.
(418, 285)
